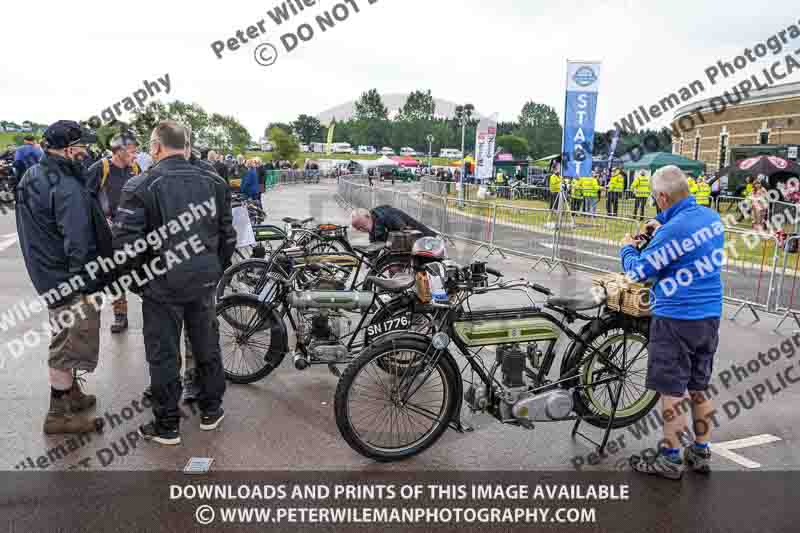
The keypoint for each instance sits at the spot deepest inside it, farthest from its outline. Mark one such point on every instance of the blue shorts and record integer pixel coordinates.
(681, 354)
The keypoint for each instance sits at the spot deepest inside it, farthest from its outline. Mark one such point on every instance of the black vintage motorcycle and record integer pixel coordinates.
(400, 394)
(332, 313)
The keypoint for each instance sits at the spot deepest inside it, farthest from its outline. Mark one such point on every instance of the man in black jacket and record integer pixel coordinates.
(384, 219)
(189, 209)
(62, 229)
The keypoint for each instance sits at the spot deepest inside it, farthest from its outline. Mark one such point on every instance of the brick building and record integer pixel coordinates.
(766, 122)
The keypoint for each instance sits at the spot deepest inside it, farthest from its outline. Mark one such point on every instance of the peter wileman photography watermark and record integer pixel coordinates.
(640, 117)
(266, 53)
(660, 257)
(105, 266)
(780, 379)
(115, 111)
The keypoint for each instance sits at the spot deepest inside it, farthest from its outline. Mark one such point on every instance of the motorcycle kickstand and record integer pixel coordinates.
(462, 427)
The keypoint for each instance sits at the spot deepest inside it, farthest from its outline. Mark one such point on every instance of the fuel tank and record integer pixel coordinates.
(347, 300)
(503, 331)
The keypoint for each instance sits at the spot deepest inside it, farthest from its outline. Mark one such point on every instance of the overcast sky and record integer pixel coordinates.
(70, 61)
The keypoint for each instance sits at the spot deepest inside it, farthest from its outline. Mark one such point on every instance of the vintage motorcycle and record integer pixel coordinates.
(314, 299)
(399, 395)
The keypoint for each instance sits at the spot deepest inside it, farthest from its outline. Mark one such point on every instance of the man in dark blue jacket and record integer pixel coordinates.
(684, 261)
(61, 229)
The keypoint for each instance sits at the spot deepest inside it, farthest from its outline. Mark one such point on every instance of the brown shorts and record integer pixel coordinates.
(75, 339)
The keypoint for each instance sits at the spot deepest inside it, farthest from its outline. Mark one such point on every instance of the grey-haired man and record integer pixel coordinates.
(106, 178)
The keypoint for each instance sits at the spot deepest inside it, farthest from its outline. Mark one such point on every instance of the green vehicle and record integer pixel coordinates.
(398, 173)
(403, 391)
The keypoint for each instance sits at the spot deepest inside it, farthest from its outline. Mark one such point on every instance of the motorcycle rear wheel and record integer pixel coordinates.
(615, 339)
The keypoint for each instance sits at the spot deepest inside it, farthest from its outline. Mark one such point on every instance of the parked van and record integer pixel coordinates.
(450, 153)
(342, 148)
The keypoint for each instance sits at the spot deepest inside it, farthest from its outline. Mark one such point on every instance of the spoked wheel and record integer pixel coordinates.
(617, 369)
(389, 416)
(255, 276)
(250, 353)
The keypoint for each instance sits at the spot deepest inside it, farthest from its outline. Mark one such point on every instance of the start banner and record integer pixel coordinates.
(579, 118)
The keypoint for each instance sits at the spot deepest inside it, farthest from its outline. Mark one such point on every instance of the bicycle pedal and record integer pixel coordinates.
(335, 370)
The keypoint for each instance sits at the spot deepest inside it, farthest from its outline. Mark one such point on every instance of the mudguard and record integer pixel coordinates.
(427, 339)
(279, 341)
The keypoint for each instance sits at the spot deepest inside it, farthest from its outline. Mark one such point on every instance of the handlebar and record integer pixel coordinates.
(541, 289)
(494, 272)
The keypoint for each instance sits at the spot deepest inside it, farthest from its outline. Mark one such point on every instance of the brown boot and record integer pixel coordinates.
(60, 419)
(78, 400)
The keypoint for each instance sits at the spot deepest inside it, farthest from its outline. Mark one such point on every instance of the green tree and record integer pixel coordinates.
(284, 144)
(224, 133)
(308, 128)
(147, 118)
(518, 146)
(539, 124)
(282, 125)
(419, 106)
(370, 106)
(192, 115)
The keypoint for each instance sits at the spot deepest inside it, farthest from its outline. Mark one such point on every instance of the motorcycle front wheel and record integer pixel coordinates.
(395, 416)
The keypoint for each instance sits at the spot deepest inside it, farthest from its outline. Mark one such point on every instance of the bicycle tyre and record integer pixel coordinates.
(344, 391)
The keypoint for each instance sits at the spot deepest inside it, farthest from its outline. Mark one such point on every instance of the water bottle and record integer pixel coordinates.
(438, 293)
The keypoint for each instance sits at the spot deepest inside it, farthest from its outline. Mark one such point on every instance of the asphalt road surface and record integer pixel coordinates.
(286, 420)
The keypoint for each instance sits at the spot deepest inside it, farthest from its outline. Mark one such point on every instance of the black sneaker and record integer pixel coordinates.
(698, 459)
(156, 433)
(658, 465)
(210, 422)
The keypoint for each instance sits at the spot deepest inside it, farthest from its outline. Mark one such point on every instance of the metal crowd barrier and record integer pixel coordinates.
(759, 272)
(749, 271)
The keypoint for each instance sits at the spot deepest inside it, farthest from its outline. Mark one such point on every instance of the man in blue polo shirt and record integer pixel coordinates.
(26, 156)
(683, 260)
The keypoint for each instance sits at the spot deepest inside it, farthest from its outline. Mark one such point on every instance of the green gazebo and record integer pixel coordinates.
(653, 161)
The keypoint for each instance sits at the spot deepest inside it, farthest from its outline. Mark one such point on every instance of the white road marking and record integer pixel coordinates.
(724, 448)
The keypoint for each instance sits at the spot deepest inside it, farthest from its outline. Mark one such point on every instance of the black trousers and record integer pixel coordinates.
(162, 334)
(639, 205)
(612, 203)
(553, 198)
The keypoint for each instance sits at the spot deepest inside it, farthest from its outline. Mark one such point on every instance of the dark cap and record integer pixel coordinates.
(64, 133)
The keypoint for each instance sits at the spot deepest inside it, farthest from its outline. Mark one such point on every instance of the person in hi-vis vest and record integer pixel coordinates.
(641, 191)
(616, 186)
(555, 188)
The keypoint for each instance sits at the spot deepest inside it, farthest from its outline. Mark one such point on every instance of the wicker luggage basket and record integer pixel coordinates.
(624, 295)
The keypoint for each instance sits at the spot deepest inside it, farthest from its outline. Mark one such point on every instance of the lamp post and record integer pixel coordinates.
(463, 161)
(430, 138)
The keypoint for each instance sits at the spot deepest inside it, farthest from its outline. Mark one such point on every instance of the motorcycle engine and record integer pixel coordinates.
(320, 332)
(516, 402)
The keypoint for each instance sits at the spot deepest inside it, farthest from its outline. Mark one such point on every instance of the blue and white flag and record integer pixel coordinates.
(583, 80)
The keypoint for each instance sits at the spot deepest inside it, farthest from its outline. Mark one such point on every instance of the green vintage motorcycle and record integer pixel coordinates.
(399, 395)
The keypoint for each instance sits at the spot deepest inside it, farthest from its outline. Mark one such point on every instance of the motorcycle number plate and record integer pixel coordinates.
(393, 324)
